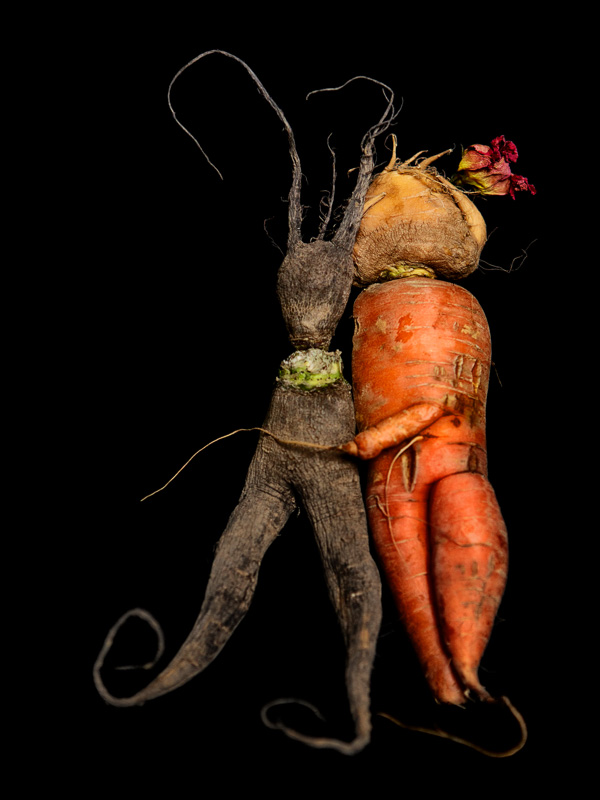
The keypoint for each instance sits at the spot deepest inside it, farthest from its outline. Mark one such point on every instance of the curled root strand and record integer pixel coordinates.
(484, 751)
(140, 613)
(347, 748)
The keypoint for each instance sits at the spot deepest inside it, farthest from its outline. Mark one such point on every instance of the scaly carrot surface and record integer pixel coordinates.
(421, 364)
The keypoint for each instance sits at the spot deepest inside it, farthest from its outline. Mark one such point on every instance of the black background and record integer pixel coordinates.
(172, 337)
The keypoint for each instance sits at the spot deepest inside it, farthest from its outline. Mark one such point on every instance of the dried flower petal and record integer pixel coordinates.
(503, 149)
(486, 169)
(520, 184)
(476, 157)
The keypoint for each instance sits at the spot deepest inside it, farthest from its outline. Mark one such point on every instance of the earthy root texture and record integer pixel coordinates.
(416, 220)
(314, 284)
(421, 363)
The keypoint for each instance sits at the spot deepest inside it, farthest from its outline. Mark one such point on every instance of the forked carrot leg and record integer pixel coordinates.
(398, 522)
(469, 563)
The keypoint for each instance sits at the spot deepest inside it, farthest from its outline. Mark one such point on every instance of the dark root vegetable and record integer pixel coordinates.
(415, 222)
(297, 463)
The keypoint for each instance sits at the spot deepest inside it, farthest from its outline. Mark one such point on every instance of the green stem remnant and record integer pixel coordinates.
(311, 369)
(401, 270)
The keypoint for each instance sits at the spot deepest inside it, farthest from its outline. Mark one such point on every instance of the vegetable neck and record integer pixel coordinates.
(311, 369)
(406, 271)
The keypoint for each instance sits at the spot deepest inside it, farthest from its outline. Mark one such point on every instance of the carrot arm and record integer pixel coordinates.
(393, 429)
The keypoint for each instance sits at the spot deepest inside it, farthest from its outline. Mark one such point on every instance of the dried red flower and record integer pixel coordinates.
(486, 169)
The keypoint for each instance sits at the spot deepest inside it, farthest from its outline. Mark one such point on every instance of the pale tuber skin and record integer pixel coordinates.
(416, 222)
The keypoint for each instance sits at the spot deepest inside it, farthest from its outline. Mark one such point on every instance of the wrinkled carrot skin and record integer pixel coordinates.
(469, 553)
(421, 345)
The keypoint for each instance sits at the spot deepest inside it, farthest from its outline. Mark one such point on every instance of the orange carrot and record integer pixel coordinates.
(421, 363)
(469, 559)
